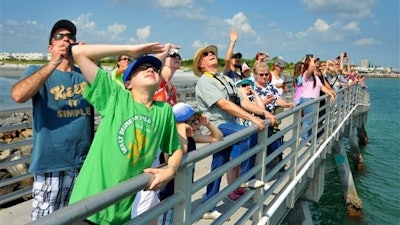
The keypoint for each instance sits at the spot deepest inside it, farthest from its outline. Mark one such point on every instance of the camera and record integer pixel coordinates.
(234, 98)
(70, 47)
(309, 56)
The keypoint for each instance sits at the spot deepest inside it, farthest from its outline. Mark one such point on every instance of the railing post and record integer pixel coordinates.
(183, 184)
(260, 160)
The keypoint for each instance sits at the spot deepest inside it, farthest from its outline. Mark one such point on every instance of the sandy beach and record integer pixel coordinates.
(11, 72)
(181, 77)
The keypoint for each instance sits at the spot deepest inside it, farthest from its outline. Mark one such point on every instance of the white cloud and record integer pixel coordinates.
(174, 3)
(366, 42)
(115, 30)
(352, 26)
(321, 25)
(240, 22)
(143, 33)
(84, 22)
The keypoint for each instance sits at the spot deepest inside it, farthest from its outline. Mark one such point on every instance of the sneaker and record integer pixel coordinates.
(254, 183)
(241, 191)
(233, 196)
(266, 187)
(213, 215)
(308, 144)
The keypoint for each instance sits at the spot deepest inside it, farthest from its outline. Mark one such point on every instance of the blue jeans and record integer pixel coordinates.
(307, 122)
(222, 157)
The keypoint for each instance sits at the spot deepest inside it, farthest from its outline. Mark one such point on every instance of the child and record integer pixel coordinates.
(132, 128)
(188, 123)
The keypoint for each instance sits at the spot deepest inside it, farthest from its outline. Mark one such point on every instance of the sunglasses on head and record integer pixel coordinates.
(206, 53)
(60, 36)
(124, 58)
(175, 56)
(146, 66)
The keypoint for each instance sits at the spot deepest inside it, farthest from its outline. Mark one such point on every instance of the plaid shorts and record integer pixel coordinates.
(51, 191)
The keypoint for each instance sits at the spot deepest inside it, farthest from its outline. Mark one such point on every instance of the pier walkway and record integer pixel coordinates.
(290, 183)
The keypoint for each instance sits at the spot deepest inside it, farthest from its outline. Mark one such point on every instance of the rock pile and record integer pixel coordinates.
(9, 152)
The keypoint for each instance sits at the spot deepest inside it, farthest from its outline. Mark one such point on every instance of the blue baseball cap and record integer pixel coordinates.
(139, 61)
(183, 112)
(245, 81)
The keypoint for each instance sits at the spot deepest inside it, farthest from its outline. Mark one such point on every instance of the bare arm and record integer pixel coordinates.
(284, 103)
(181, 128)
(233, 38)
(215, 133)
(238, 111)
(253, 108)
(310, 69)
(24, 89)
(328, 92)
(86, 55)
(163, 175)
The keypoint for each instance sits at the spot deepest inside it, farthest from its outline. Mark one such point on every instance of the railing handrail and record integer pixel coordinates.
(181, 199)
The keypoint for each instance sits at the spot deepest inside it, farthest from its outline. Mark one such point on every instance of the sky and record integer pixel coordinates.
(365, 29)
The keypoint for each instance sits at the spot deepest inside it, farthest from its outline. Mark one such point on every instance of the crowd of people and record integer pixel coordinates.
(143, 127)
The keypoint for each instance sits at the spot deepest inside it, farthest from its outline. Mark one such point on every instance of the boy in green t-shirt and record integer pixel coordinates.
(132, 128)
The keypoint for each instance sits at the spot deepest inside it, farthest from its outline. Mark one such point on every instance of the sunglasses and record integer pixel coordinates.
(244, 85)
(146, 66)
(263, 74)
(125, 58)
(192, 122)
(210, 52)
(60, 36)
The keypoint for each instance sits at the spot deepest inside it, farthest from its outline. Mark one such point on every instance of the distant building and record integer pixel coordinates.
(364, 63)
(23, 56)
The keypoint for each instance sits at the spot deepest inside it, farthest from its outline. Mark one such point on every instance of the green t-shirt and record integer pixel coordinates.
(125, 143)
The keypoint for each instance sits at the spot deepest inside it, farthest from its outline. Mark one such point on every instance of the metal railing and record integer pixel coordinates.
(258, 205)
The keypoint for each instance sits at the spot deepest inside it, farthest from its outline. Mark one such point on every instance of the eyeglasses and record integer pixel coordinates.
(192, 122)
(210, 52)
(60, 36)
(125, 58)
(146, 67)
(263, 74)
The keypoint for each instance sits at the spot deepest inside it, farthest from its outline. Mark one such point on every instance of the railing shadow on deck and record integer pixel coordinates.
(286, 179)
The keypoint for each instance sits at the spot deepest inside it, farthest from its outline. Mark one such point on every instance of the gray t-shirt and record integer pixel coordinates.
(211, 89)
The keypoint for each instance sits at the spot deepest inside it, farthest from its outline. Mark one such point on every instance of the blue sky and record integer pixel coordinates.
(365, 29)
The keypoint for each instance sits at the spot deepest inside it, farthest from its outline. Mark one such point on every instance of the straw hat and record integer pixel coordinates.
(198, 55)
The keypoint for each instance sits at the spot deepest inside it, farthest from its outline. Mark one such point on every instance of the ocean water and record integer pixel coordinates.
(378, 186)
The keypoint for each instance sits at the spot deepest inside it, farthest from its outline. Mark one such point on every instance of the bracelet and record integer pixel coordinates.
(55, 63)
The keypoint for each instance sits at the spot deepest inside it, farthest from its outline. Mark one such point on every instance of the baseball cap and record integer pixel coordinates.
(174, 52)
(280, 63)
(183, 112)
(139, 61)
(245, 81)
(245, 67)
(237, 55)
(66, 24)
